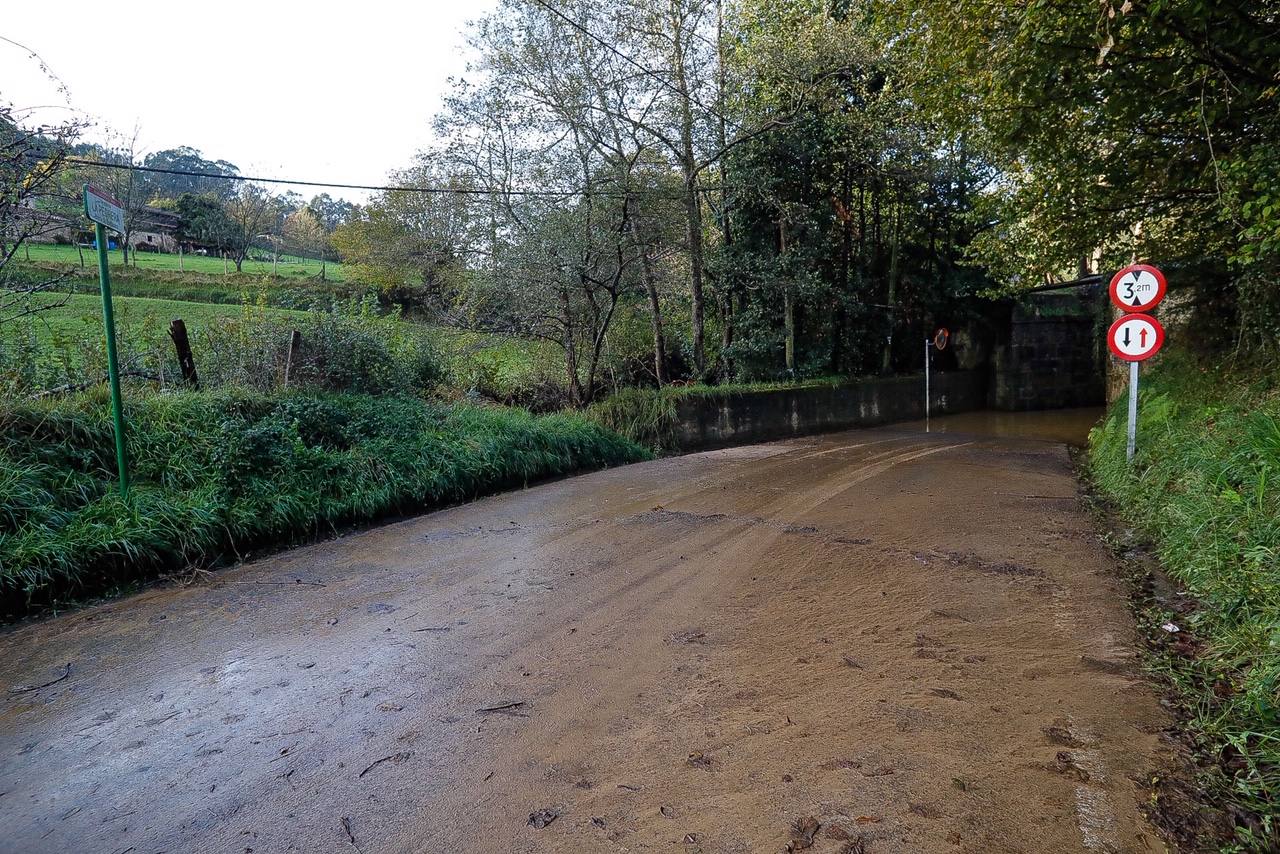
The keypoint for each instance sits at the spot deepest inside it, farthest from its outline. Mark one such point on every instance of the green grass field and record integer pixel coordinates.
(290, 266)
(81, 315)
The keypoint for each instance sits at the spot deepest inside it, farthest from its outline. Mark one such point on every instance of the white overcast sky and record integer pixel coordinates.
(281, 89)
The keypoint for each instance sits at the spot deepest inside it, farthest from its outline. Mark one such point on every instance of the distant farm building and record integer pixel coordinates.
(154, 229)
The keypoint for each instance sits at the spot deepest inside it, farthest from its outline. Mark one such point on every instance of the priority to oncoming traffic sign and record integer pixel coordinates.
(103, 209)
(1137, 288)
(1135, 337)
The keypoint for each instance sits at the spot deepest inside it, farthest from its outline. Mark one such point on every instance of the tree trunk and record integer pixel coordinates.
(887, 358)
(693, 205)
(789, 304)
(726, 274)
(655, 310)
(694, 211)
(846, 258)
(726, 332)
(570, 352)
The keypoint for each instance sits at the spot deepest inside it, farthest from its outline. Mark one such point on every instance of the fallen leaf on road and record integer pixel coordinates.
(542, 817)
(698, 759)
(803, 831)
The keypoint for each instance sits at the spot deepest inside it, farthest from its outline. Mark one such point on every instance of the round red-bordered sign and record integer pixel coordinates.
(1137, 288)
(1135, 337)
(941, 337)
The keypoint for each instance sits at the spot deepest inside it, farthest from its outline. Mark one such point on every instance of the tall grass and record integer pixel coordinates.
(216, 473)
(1205, 487)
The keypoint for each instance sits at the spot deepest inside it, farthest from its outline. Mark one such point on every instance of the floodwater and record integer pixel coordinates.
(1065, 426)
(875, 640)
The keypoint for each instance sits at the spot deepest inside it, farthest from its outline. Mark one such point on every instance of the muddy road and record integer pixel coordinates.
(916, 641)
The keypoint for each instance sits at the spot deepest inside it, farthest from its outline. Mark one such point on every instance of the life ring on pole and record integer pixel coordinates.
(941, 337)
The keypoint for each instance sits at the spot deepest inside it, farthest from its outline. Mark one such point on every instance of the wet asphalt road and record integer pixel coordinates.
(917, 641)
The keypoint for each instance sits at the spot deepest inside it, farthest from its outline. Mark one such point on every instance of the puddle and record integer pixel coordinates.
(1068, 426)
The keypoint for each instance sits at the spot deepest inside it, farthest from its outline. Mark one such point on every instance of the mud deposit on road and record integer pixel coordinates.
(872, 641)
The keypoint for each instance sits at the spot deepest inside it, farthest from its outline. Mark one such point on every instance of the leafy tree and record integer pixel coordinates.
(330, 212)
(204, 220)
(412, 244)
(251, 214)
(187, 159)
(1122, 130)
(304, 234)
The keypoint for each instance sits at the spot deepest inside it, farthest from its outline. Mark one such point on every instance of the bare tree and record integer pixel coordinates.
(117, 176)
(34, 203)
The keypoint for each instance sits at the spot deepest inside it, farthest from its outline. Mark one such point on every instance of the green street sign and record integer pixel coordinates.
(103, 209)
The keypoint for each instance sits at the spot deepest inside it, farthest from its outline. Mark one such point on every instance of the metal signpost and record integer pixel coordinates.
(1136, 336)
(938, 340)
(106, 212)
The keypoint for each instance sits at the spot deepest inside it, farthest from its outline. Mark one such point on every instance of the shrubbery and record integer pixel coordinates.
(1205, 487)
(218, 472)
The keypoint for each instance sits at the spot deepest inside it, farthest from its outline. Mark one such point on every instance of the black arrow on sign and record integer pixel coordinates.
(1127, 330)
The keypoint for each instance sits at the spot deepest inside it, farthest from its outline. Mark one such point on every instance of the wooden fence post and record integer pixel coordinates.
(181, 343)
(295, 341)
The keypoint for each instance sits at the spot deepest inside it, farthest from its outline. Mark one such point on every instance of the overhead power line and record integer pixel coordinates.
(382, 188)
(625, 57)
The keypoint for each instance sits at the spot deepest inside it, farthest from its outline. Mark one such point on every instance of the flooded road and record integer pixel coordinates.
(1068, 426)
(874, 641)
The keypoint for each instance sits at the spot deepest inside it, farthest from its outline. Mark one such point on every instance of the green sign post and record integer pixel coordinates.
(106, 212)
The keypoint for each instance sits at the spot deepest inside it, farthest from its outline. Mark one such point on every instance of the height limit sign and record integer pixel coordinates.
(1136, 336)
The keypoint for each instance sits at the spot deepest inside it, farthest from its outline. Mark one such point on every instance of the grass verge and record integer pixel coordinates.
(1205, 489)
(218, 473)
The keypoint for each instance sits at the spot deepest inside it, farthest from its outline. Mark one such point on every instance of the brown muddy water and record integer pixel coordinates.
(875, 641)
(1065, 426)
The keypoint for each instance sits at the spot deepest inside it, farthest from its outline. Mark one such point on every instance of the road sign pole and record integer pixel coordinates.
(926, 385)
(1133, 411)
(113, 367)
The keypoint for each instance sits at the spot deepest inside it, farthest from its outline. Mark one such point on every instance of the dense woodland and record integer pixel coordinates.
(790, 189)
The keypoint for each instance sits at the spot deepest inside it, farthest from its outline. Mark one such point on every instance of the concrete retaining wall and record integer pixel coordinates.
(716, 421)
(1055, 357)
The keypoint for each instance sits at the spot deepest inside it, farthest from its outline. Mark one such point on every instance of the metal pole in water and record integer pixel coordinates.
(926, 385)
(1133, 410)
